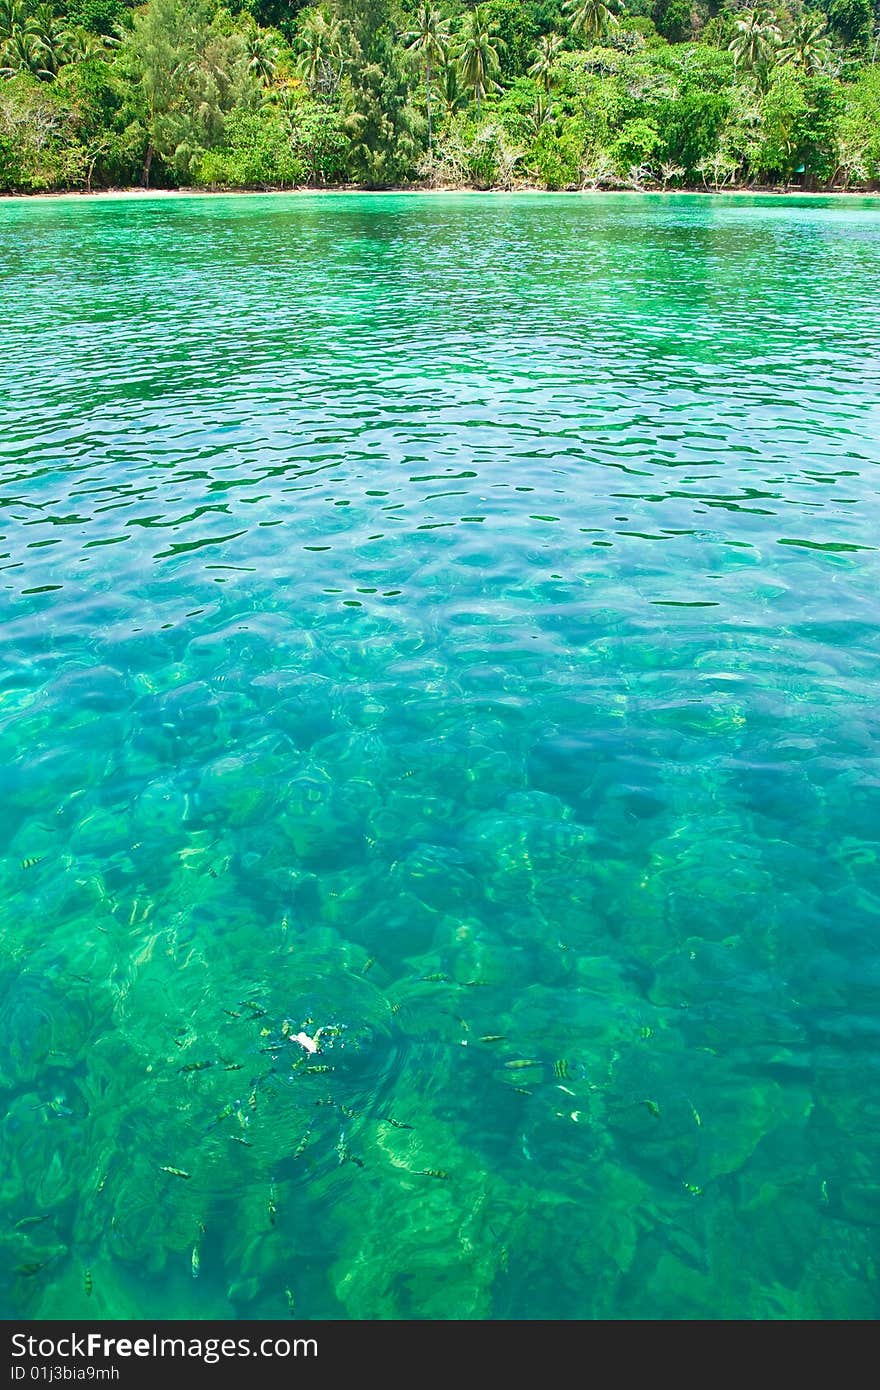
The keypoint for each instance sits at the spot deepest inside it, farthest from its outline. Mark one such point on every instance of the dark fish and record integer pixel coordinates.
(26, 1221)
(175, 1172)
(87, 1283)
(396, 1124)
(29, 1270)
(196, 1066)
(430, 1173)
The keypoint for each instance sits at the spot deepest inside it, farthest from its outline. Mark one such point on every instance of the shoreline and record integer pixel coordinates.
(121, 194)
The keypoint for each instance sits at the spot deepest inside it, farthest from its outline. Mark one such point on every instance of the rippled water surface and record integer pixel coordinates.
(448, 627)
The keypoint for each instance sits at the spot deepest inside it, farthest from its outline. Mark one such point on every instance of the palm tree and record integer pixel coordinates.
(23, 52)
(592, 18)
(13, 16)
(262, 53)
(540, 115)
(320, 52)
(451, 96)
(808, 46)
(51, 36)
(82, 45)
(545, 59)
(478, 55)
(756, 39)
(428, 38)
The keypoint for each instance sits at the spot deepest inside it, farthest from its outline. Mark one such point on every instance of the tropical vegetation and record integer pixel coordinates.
(559, 94)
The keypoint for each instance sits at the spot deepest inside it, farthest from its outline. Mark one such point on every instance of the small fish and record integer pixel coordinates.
(233, 1013)
(437, 978)
(87, 1283)
(523, 1091)
(195, 1262)
(30, 1269)
(27, 1221)
(290, 1304)
(305, 1041)
(196, 1066)
(395, 1008)
(175, 1172)
(652, 1107)
(301, 1146)
(328, 1100)
(240, 1139)
(31, 864)
(232, 1066)
(368, 965)
(476, 984)
(252, 1100)
(396, 1124)
(271, 1205)
(560, 1069)
(430, 1173)
(493, 1037)
(285, 1028)
(358, 1162)
(520, 1063)
(316, 1071)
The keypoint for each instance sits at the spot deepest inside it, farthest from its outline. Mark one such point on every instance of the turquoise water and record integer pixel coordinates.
(448, 626)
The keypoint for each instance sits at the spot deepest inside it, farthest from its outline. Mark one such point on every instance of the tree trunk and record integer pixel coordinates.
(145, 172)
(428, 102)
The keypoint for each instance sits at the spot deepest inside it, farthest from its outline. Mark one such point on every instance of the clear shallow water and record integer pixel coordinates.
(434, 620)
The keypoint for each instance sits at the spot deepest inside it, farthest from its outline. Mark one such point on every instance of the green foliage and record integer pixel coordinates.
(37, 147)
(257, 152)
(565, 93)
(851, 21)
(557, 156)
(98, 16)
(673, 19)
(798, 118)
(859, 130)
(518, 25)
